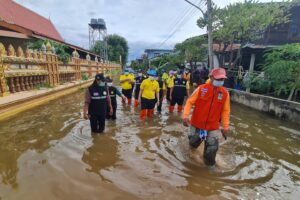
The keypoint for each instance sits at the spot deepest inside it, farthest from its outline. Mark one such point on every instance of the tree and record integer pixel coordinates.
(116, 46)
(282, 66)
(192, 50)
(60, 49)
(244, 22)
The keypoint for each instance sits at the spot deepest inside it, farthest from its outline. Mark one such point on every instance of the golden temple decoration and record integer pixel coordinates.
(28, 53)
(20, 52)
(35, 54)
(2, 50)
(11, 50)
(49, 47)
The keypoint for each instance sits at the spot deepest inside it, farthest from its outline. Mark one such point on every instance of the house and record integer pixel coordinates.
(273, 36)
(153, 53)
(19, 25)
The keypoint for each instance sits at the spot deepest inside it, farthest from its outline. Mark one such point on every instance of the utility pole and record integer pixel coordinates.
(209, 34)
(209, 30)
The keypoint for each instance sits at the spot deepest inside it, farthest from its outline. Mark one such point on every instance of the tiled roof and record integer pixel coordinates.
(15, 14)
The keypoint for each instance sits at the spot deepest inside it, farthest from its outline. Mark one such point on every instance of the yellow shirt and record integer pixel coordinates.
(171, 85)
(126, 85)
(170, 80)
(149, 88)
(165, 76)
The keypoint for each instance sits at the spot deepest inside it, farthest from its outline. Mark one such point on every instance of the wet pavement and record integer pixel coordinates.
(49, 153)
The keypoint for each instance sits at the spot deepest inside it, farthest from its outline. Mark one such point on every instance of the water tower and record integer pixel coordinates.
(98, 32)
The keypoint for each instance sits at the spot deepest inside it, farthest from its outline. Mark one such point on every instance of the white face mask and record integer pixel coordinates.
(178, 76)
(109, 84)
(218, 83)
(152, 78)
(101, 84)
(126, 73)
(140, 74)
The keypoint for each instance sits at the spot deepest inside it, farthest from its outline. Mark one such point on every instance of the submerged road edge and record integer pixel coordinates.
(11, 109)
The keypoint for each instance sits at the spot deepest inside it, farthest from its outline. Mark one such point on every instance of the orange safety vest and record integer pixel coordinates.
(186, 76)
(208, 107)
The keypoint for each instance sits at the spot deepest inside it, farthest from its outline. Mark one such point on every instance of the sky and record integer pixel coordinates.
(144, 23)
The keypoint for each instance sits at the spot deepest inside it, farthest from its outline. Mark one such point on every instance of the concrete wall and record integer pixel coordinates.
(283, 109)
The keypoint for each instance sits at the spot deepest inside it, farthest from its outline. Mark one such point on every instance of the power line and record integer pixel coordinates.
(181, 23)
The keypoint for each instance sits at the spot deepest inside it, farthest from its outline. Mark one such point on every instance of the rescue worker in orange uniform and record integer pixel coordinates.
(211, 103)
(186, 75)
(138, 80)
(179, 89)
(149, 91)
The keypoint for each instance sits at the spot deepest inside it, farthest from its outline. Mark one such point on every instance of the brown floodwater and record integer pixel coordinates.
(49, 153)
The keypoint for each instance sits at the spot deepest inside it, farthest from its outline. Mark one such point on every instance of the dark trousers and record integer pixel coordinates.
(160, 104)
(210, 150)
(114, 115)
(177, 100)
(136, 94)
(148, 104)
(97, 123)
(127, 93)
(168, 94)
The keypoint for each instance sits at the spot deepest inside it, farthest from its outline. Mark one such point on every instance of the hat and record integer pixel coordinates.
(218, 73)
(100, 77)
(152, 72)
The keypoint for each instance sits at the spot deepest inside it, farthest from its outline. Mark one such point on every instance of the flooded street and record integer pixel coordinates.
(49, 153)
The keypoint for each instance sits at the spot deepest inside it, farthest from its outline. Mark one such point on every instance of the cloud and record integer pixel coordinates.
(144, 23)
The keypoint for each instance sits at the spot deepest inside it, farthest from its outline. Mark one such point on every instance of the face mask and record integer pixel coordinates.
(218, 83)
(109, 84)
(152, 78)
(101, 84)
(140, 74)
(126, 73)
(178, 76)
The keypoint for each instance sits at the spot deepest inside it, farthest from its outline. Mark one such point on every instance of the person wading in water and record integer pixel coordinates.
(211, 105)
(95, 105)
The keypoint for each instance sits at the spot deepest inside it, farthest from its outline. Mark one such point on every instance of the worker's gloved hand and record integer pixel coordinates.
(224, 133)
(158, 103)
(85, 116)
(186, 122)
(123, 98)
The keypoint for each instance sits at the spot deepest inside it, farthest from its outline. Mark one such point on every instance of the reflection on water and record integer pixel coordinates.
(49, 152)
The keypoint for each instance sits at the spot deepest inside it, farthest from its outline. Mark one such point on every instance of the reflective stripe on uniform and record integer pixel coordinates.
(103, 97)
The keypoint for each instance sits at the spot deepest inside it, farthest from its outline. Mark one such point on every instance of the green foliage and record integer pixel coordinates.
(60, 49)
(244, 22)
(84, 77)
(192, 50)
(282, 66)
(43, 86)
(116, 46)
(258, 84)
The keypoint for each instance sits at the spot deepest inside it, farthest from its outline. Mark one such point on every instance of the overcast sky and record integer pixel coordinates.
(144, 23)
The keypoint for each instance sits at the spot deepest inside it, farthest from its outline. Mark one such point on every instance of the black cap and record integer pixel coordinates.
(100, 77)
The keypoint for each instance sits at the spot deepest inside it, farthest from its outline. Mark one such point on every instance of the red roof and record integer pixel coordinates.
(16, 14)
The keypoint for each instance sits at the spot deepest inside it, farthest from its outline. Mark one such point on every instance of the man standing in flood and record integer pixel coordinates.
(95, 104)
(211, 103)
(127, 82)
